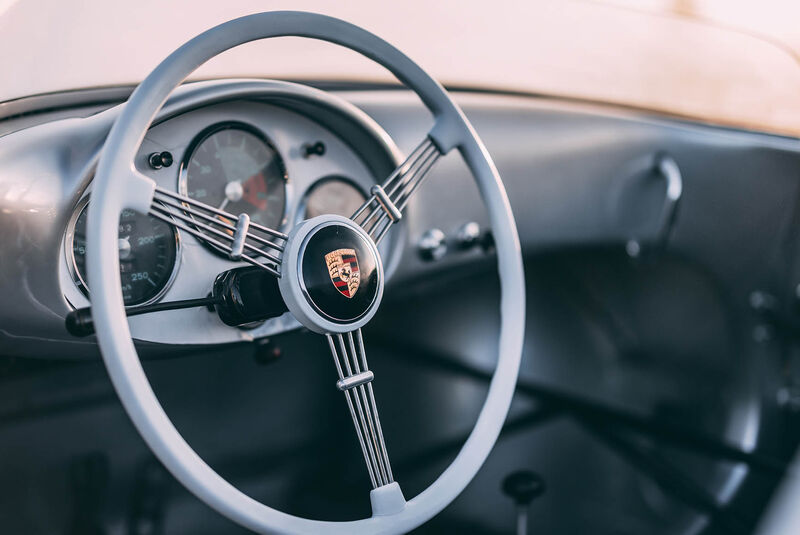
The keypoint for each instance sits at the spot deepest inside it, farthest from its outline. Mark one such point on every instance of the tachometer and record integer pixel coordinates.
(148, 252)
(234, 167)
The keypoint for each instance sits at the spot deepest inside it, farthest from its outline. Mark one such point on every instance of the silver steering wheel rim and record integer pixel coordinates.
(118, 185)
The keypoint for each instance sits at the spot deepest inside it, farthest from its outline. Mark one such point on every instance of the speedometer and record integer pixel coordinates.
(148, 252)
(235, 168)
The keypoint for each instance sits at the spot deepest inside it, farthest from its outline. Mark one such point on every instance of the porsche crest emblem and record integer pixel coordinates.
(343, 270)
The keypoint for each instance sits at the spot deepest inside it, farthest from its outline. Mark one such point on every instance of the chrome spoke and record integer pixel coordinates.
(237, 236)
(160, 193)
(355, 380)
(386, 203)
(220, 221)
(363, 356)
(199, 235)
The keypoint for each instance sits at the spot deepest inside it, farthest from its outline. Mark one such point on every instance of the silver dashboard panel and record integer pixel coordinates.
(47, 171)
(288, 131)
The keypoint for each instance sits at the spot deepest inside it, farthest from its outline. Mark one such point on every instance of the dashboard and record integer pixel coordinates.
(299, 151)
(276, 151)
(274, 164)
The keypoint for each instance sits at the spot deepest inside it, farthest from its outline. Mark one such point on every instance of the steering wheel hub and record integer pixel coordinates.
(332, 275)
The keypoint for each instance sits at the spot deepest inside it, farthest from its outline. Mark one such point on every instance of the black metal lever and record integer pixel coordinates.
(79, 322)
(240, 296)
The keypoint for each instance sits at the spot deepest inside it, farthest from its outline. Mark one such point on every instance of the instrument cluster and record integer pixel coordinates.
(274, 165)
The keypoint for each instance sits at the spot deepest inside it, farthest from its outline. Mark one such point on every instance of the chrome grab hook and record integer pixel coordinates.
(667, 168)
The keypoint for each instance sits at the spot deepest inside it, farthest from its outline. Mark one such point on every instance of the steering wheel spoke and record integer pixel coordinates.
(237, 236)
(386, 203)
(355, 380)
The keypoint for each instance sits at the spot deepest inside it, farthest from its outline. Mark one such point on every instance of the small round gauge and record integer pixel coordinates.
(148, 252)
(333, 195)
(233, 167)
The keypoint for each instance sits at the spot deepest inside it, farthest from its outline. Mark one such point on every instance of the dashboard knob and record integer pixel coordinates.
(468, 235)
(311, 149)
(523, 486)
(157, 160)
(432, 245)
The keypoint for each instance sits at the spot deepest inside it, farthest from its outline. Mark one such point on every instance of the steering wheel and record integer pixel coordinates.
(331, 279)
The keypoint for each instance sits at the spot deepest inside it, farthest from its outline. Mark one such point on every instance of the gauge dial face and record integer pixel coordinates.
(333, 195)
(148, 249)
(234, 168)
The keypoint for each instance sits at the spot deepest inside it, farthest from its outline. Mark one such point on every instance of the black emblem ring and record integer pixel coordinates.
(331, 276)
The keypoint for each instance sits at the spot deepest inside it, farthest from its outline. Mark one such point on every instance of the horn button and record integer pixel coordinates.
(338, 273)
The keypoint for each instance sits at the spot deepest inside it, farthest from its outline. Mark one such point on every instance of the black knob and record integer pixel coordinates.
(523, 486)
(310, 149)
(158, 160)
(247, 295)
(79, 322)
(266, 352)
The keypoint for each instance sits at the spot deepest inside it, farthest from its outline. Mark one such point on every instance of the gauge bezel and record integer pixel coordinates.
(72, 266)
(205, 133)
(302, 207)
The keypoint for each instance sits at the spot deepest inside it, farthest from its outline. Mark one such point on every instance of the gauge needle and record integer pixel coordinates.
(233, 193)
